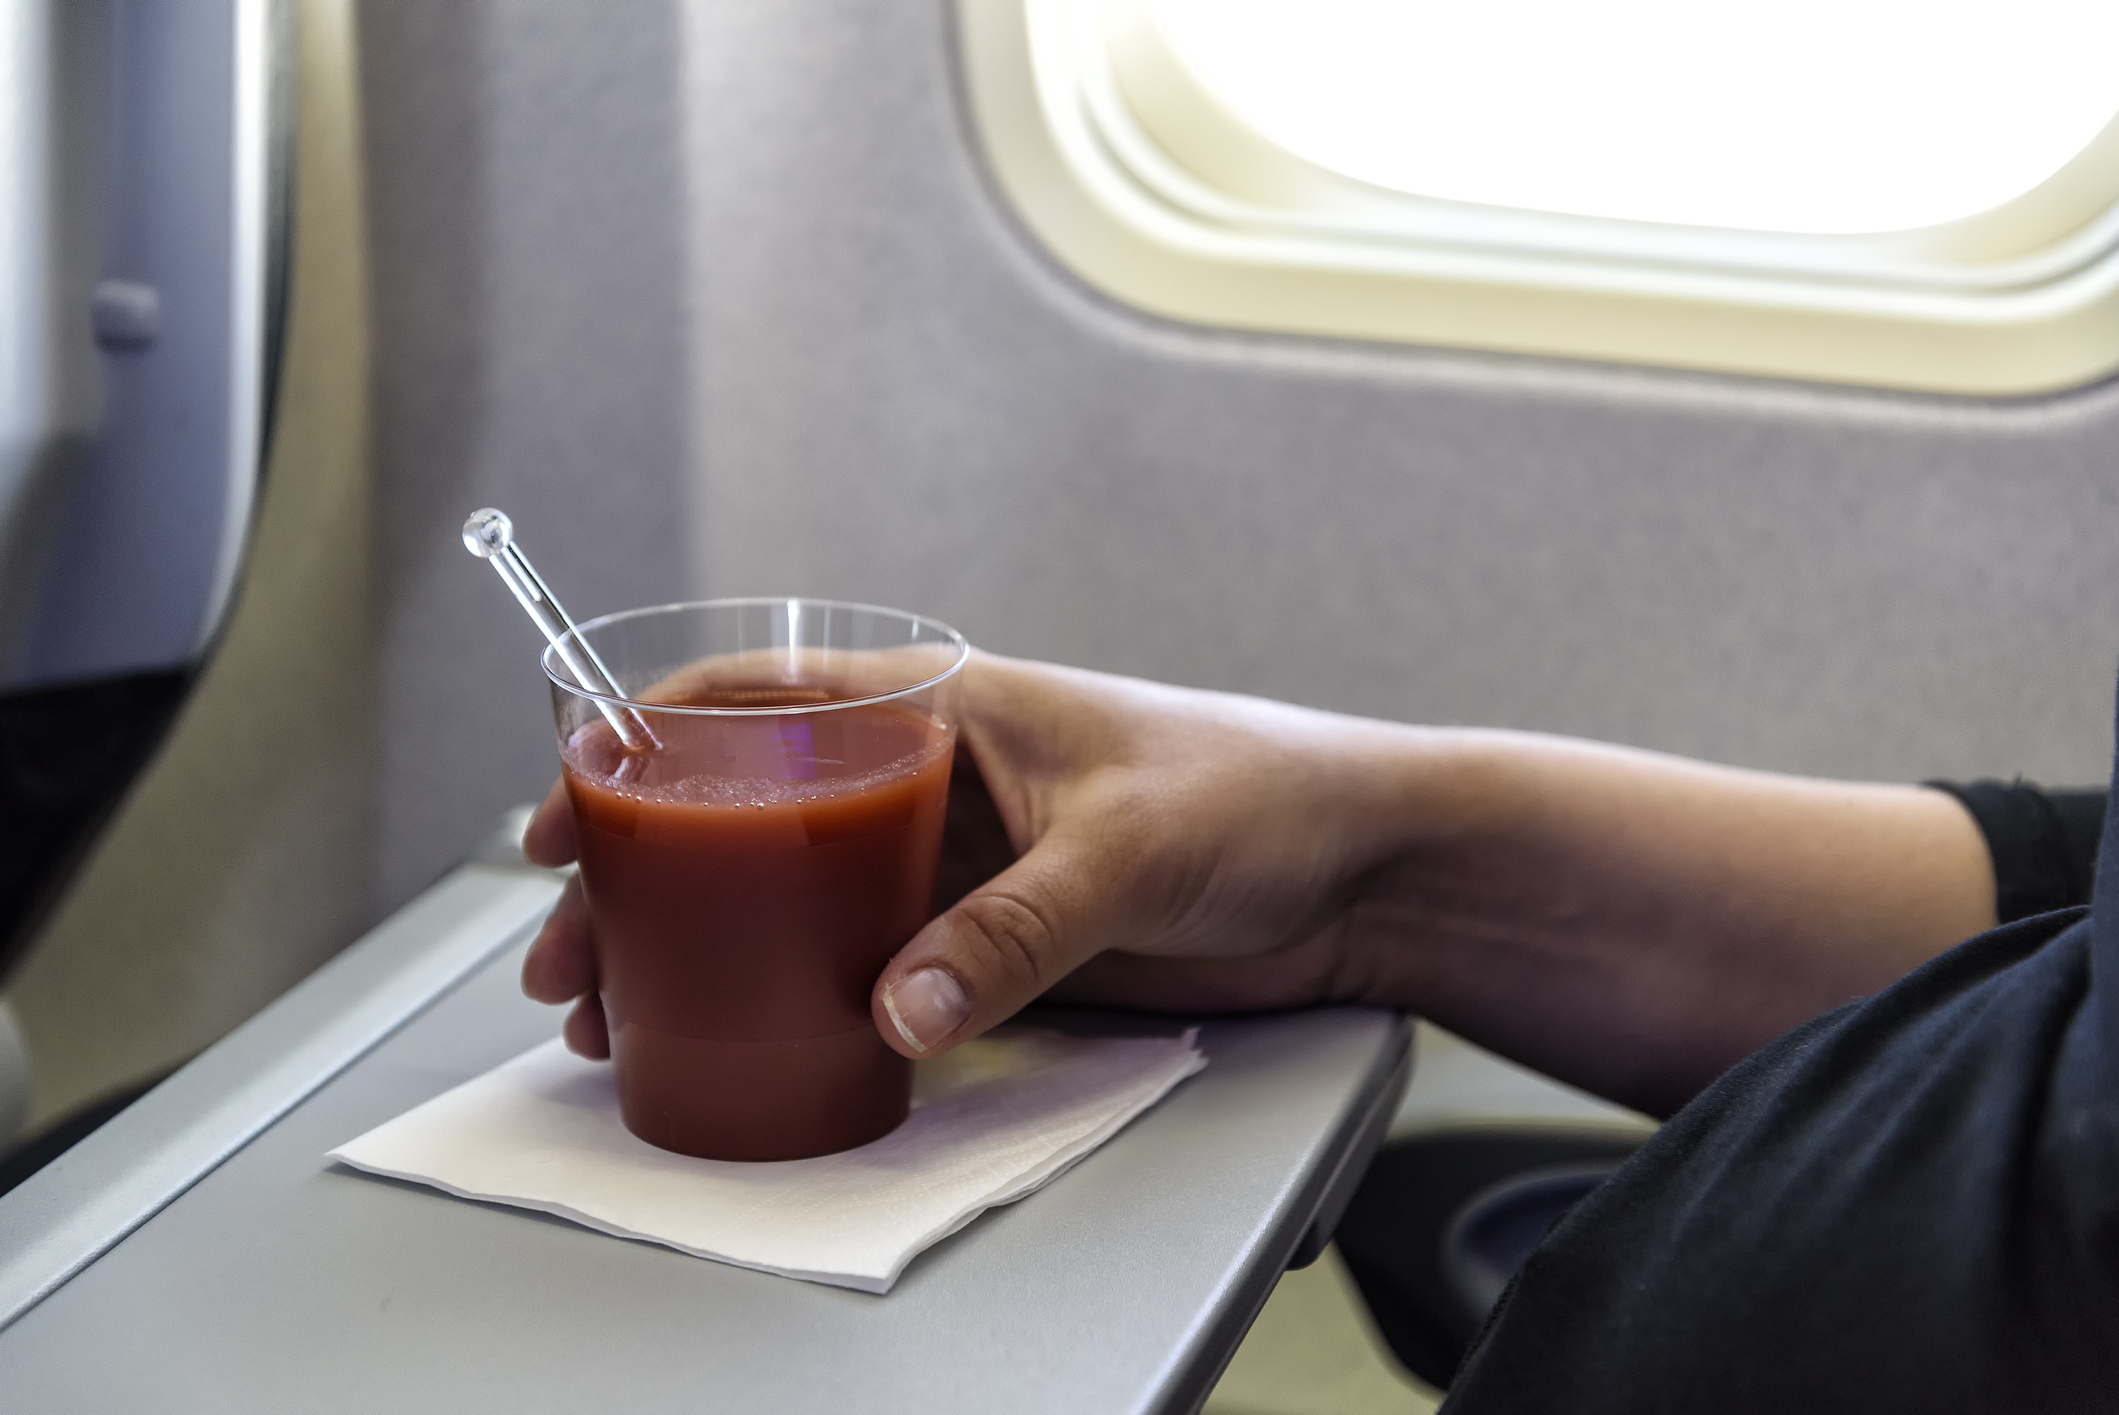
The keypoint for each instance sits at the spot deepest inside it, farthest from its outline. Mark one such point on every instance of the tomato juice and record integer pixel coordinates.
(747, 880)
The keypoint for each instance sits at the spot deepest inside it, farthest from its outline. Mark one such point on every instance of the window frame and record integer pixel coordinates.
(1140, 183)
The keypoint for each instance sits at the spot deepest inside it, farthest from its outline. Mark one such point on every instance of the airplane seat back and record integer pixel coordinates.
(142, 257)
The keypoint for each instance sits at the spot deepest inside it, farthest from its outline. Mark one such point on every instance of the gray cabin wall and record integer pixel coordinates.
(717, 298)
(527, 230)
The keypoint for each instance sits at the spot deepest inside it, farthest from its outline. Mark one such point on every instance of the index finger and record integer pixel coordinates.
(548, 840)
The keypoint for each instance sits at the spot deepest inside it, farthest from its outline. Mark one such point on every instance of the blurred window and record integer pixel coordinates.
(1921, 196)
(1822, 117)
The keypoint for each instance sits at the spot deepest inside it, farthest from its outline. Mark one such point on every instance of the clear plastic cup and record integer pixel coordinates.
(752, 867)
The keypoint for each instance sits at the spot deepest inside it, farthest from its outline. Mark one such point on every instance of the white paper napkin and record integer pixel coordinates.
(996, 1119)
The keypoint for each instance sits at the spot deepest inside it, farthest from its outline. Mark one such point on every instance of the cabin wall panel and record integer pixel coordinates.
(739, 312)
(528, 232)
(902, 398)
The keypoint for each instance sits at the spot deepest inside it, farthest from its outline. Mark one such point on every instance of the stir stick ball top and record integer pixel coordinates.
(488, 532)
(490, 535)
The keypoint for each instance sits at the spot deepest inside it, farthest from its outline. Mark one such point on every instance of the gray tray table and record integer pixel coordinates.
(198, 1253)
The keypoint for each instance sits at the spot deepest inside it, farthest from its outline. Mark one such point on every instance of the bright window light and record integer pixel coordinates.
(1816, 117)
(1918, 196)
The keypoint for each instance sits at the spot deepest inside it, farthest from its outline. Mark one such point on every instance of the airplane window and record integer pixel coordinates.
(1812, 116)
(1906, 195)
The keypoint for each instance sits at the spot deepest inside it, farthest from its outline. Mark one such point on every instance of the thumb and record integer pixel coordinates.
(1000, 946)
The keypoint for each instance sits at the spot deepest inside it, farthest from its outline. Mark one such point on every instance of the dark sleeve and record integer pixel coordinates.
(1905, 1207)
(2043, 843)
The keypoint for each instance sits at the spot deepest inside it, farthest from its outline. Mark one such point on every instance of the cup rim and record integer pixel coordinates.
(951, 636)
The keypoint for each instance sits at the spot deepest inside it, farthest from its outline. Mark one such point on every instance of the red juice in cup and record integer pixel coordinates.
(747, 879)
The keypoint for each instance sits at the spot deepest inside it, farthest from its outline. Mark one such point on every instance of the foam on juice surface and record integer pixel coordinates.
(613, 772)
(758, 762)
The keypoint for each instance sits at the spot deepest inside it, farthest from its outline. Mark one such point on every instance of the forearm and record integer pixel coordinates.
(1635, 923)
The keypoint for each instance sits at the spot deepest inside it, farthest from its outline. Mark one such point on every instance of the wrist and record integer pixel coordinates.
(1427, 789)
(1417, 802)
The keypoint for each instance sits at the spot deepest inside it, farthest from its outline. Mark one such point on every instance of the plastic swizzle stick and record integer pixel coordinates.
(490, 536)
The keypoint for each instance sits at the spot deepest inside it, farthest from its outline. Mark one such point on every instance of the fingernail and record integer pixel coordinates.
(926, 1007)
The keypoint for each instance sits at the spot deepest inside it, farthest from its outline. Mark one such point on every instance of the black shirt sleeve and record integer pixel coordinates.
(2043, 843)
(1910, 1204)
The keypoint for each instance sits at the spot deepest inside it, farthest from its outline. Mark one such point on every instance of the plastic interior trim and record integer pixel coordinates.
(75, 1209)
(1113, 206)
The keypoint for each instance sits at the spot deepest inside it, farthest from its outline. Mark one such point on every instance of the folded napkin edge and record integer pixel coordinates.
(858, 1282)
(1066, 1154)
(1051, 1167)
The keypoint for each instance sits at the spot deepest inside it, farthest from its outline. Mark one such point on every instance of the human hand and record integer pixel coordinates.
(1126, 841)
(1629, 922)
(561, 963)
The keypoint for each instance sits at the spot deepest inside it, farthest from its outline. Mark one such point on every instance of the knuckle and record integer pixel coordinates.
(1017, 937)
